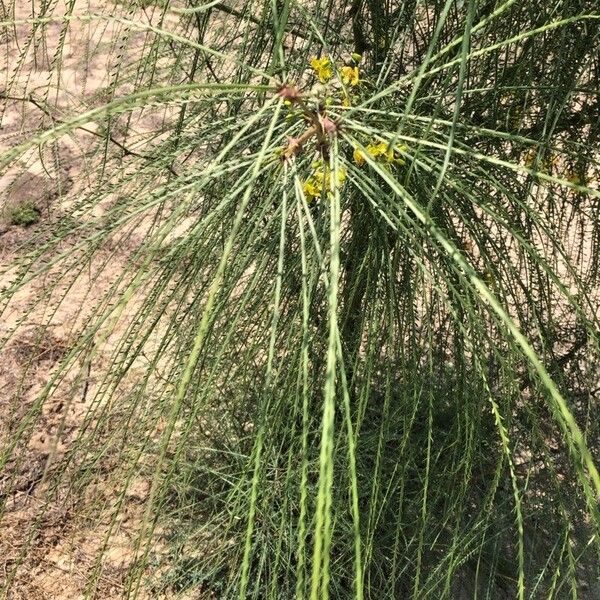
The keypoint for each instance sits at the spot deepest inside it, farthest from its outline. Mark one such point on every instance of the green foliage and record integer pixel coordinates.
(23, 214)
(370, 377)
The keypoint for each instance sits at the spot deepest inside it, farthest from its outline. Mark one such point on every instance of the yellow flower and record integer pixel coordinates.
(359, 157)
(323, 176)
(382, 152)
(345, 101)
(319, 176)
(381, 149)
(322, 67)
(321, 180)
(349, 75)
(373, 150)
(312, 188)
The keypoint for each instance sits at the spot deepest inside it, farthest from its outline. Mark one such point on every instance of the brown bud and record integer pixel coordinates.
(328, 125)
(289, 92)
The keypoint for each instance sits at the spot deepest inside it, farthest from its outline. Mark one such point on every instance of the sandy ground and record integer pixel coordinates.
(56, 543)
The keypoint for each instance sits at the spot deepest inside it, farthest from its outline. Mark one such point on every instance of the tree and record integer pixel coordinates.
(361, 310)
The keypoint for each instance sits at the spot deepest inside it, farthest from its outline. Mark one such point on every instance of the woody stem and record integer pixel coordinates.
(296, 144)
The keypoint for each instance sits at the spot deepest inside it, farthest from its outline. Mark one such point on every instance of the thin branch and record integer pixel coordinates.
(127, 151)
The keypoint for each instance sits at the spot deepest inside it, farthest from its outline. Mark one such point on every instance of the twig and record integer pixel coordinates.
(125, 149)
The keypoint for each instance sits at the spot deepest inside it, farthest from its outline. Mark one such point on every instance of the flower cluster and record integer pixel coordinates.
(382, 152)
(350, 75)
(323, 68)
(320, 180)
(336, 84)
(346, 74)
(311, 107)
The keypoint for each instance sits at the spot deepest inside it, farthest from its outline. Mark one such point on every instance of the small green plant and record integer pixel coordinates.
(23, 214)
